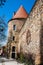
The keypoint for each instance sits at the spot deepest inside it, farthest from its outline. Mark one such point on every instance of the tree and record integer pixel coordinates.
(3, 29)
(2, 2)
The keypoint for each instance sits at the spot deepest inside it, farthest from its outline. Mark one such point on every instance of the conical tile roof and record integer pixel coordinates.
(21, 13)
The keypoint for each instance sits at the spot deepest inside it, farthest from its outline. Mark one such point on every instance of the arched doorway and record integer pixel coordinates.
(13, 52)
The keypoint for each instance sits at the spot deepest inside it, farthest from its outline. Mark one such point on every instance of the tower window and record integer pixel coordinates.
(13, 38)
(14, 27)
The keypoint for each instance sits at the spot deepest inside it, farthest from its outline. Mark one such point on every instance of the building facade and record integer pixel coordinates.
(14, 27)
(27, 32)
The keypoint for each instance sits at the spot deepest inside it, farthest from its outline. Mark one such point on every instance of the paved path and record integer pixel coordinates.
(9, 62)
(5, 59)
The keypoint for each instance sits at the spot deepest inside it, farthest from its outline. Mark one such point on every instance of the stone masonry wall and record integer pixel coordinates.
(33, 24)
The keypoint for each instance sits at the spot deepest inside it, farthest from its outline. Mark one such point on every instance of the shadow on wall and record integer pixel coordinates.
(41, 42)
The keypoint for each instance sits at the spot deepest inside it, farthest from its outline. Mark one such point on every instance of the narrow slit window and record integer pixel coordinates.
(13, 38)
(14, 27)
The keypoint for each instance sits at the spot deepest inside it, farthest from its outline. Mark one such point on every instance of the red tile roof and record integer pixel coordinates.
(21, 13)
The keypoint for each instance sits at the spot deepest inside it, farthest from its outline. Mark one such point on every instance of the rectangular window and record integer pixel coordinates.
(13, 38)
(14, 27)
(13, 49)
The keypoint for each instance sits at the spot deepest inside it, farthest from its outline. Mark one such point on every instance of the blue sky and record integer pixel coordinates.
(12, 6)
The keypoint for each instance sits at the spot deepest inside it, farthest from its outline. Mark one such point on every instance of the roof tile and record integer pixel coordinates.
(21, 13)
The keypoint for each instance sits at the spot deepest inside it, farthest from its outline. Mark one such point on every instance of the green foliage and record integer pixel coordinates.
(25, 60)
(28, 62)
(21, 58)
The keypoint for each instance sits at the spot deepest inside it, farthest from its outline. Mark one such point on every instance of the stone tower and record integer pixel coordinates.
(27, 32)
(14, 27)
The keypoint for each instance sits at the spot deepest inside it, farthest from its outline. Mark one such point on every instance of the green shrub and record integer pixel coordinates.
(21, 58)
(24, 60)
(28, 62)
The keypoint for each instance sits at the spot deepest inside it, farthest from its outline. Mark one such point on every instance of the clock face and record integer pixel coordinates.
(28, 37)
